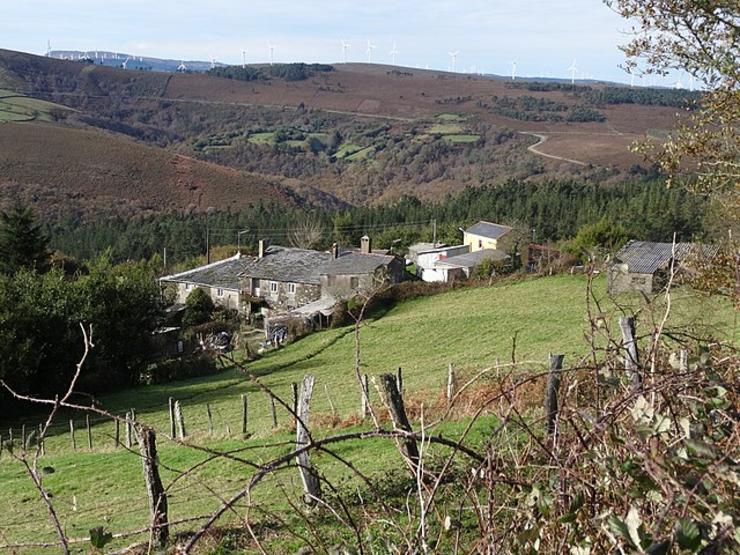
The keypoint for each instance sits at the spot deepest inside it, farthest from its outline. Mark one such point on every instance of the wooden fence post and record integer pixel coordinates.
(551, 393)
(683, 360)
(72, 434)
(311, 484)
(294, 392)
(128, 430)
(210, 418)
(631, 361)
(451, 383)
(181, 432)
(365, 406)
(154, 487)
(134, 437)
(399, 381)
(245, 409)
(273, 412)
(89, 432)
(23, 436)
(394, 399)
(116, 433)
(171, 407)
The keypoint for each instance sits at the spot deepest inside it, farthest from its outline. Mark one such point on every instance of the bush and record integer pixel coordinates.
(178, 368)
(199, 308)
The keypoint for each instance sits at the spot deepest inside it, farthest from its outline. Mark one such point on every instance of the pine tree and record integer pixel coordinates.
(22, 244)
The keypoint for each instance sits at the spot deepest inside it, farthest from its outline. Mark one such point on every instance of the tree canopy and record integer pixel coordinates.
(22, 244)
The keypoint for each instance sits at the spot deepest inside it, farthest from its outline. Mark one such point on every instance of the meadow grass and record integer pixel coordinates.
(471, 328)
(461, 138)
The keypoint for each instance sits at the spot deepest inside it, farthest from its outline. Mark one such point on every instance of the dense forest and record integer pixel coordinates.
(289, 72)
(552, 211)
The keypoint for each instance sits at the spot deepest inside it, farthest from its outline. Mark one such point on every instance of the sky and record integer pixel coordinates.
(542, 37)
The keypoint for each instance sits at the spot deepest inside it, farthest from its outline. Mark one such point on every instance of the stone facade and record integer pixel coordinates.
(621, 280)
(280, 296)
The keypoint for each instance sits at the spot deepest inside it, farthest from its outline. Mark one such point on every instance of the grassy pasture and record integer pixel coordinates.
(14, 107)
(262, 138)
(451, 117)
(445, 129)
(462, 138)
(360, 154)
(471, 328)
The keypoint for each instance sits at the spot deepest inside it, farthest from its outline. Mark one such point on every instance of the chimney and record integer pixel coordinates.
(335, 250)
(366, 245)
(262, 248)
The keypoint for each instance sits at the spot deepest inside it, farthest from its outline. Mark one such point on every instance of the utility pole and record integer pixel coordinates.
(165, 259)
(208, 243)
(434, 232)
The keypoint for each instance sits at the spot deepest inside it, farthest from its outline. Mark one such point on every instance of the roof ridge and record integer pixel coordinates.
(237, 256)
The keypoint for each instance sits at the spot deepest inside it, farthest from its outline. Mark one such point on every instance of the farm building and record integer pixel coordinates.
(426, 256)
(462, 266)
(486, 235)
(218, 279)
(281, 280)
(645, 266)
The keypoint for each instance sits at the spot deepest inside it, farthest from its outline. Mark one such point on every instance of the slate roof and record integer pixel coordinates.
(645, 257)
(472, 259)
(356, 263)
(222, 274)
(487, 229)
(288, 265)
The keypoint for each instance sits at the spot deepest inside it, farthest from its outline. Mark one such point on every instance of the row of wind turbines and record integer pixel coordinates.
(572, 70)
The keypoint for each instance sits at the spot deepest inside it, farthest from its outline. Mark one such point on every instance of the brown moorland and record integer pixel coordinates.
(93, 170)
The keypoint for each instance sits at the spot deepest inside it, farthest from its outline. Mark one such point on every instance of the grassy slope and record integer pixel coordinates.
(470, 328)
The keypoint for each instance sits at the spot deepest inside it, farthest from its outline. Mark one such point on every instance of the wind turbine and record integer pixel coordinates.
(370, 48)
(393, 54)
(244, 58)
(272, 53)
(632, 80)
(182, 67)
(213, 62)
(513, 71)
(453, 55)
(48, 48)
(125, 63)
(679, 84)
(345, 46)
(573, 70)
(691, 83)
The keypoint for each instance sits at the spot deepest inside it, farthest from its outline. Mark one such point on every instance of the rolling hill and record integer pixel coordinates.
(58, 168)
(352, 133)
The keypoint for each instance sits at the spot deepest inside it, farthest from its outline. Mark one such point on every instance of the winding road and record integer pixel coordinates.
(542, 140)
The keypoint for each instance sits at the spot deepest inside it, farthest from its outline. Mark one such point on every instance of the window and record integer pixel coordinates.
(219, 292)
(291, 289)
(480, 243)
(354, 282)
(188, 286)
(273, 287)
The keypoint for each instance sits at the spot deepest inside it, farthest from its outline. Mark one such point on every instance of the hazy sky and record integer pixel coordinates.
(542, 36)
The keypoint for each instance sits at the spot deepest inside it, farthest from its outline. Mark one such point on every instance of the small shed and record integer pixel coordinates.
(645, 265)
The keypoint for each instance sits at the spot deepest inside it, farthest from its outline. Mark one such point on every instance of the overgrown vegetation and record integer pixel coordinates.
(289, 72)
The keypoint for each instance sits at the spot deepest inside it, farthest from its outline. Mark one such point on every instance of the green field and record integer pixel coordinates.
(445, 129)
(15, 107)
(451, 117)
(471, 328)
(361, 154)
(262, 138)
(461, 138)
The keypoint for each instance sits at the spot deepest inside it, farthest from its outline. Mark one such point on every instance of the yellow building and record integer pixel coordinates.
(486, 235)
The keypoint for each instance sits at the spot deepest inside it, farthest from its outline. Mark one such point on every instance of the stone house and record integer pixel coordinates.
(645, 266)
(281, 279)
(349, 272)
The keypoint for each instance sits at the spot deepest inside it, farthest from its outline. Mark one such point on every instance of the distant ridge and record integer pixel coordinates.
(145, 63)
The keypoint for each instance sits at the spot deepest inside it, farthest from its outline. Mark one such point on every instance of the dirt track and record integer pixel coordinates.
(542, 140)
